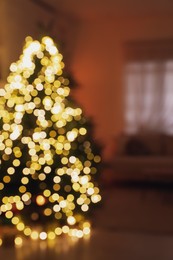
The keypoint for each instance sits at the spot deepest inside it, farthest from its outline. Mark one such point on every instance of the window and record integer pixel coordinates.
(149, 92)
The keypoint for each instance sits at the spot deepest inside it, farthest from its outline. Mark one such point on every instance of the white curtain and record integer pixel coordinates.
(149, 96)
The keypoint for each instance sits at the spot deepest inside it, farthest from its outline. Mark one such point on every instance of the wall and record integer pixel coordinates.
(96, 57)
(98, 64)
(20, 19)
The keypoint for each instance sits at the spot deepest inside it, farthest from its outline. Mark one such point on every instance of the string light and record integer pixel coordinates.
(41, 132)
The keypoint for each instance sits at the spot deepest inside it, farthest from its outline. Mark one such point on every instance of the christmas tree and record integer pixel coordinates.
(49, 162)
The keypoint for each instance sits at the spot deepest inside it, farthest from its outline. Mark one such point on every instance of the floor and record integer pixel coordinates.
(133, 223)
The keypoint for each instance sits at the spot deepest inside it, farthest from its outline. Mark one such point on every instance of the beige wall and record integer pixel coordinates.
(20, 18)
(97, 56)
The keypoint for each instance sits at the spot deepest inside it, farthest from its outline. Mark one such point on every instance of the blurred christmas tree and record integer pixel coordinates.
(49, 162)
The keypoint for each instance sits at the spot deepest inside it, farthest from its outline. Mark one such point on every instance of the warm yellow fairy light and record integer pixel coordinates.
(27, 231)
(15, 220)
(40, 200)
(20, 226)
(79, 234)
(58, 231)
(51, 235)
(1, 186)
(9, 214)
(65, 229)
(84, 207)
(25, 197)
(56, 208)
(6, 179)
(18, 241)
(47, 212)
(34, 235)
(47, 193)
(86, 230)
(71, 220)
(47, 145)
(19, 205)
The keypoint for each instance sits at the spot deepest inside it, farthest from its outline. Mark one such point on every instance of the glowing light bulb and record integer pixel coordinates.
(18, 241)
(43, 235)
(34, 235)
(40, 200)
(71, 220)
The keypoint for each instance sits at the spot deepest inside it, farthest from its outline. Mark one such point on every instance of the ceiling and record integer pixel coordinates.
(92, 8)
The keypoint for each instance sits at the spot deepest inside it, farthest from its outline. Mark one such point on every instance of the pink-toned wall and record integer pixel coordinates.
(96, 57)
(98, 65)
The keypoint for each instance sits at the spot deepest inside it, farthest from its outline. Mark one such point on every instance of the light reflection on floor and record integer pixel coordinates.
(133, 224)
(46, 250)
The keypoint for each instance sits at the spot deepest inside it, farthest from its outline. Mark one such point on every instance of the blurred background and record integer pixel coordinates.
(120, 53)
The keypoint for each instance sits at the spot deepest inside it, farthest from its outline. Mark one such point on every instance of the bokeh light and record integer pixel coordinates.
(48, 165)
